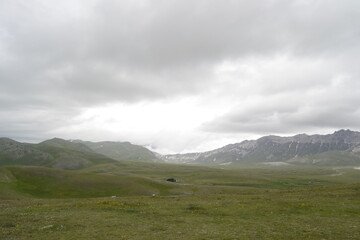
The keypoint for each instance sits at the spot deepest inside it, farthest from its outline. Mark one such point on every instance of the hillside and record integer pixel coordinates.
(54, 183)
(16, 153)
(121, 151)
(342, 148)
(54, 153)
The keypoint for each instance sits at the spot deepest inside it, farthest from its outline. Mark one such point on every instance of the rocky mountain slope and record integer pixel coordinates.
(340, 148)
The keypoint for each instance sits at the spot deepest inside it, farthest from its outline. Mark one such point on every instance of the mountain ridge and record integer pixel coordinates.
(339, 148)
(294, 149)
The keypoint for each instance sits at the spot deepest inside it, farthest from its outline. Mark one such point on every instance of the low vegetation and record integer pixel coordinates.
(128, 200)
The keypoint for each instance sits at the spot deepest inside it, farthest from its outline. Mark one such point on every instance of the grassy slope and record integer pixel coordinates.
(55, 153)
(70, 155)
(331, 158)
(16, 153)
(243, 203)
(64, 144)
(52, 183)
(122, 151)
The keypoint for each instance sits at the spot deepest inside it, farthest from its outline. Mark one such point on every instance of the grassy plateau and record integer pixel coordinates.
(133, 200)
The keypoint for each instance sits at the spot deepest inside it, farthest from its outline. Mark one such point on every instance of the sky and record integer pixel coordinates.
(178, 76)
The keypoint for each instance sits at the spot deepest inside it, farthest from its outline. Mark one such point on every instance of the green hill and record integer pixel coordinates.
(16, 153)
(54, 153)
(121, 151)
(64, 144)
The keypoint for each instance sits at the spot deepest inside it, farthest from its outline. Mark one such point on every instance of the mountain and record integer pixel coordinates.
(340, 148)
(121, 151)
(16, 153)
(54, 153)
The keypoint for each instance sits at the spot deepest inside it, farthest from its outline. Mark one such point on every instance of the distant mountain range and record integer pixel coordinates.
(340, 148)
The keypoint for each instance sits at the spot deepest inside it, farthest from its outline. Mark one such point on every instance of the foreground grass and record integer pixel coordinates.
(322, 213)
(278, 204)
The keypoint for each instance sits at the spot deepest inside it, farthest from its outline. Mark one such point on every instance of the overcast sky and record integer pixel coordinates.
(178, 75)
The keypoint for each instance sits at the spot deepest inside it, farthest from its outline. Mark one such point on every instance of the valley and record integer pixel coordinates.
(133, 200)
(62, 189)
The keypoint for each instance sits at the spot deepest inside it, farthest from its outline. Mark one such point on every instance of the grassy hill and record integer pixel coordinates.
(55, 153)
(64, 144)
(122, 151)
(16, 153)
(69, 155)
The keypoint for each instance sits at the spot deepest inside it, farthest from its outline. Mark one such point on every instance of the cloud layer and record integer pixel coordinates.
(254, 67)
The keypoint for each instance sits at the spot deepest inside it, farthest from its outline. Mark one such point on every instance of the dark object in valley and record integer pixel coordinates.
(172, 180)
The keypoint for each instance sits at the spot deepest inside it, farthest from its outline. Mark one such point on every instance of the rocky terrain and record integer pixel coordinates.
(341, 147)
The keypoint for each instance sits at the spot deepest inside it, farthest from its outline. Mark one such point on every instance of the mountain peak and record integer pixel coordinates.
(344, 132)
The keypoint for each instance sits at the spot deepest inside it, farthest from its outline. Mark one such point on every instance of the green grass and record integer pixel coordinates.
(208, 203)
(241, 176)
(122, 151)
(51, 183)
(331, 158)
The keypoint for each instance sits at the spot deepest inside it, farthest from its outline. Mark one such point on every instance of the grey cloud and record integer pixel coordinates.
(331, 107)
(157, 44)
(274, 122)
(68, 55)
(33, 124)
